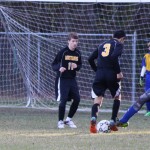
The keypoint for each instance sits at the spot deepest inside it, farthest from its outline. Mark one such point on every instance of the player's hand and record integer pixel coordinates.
(73, 66)
(119, 76)
(141, 81)
(62, 69)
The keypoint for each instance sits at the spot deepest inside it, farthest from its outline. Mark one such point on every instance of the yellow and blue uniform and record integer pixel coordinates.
(146, 64)
(144, 98)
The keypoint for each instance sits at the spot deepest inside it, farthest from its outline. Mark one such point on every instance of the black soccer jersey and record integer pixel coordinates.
(107, 55)
(64, 59)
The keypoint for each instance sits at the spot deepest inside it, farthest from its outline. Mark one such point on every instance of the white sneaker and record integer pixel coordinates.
(70, 124)
(60, 124)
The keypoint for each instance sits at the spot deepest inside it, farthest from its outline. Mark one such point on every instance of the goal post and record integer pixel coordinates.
(32, 32)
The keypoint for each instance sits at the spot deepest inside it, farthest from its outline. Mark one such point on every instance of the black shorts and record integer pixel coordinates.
(106, 79)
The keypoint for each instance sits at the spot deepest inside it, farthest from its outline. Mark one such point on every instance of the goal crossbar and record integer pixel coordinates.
(83, 1)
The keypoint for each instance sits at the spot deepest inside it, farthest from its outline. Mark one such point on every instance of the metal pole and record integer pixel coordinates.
(134, 38)
(39, 61)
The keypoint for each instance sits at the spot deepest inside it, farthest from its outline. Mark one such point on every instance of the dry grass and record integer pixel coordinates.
(32, 129)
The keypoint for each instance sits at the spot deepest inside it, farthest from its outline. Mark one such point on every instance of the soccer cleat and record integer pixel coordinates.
(147, 114)
(93, 128)
(113, 126)
(121, 124)
(60, 124)
(70, 124)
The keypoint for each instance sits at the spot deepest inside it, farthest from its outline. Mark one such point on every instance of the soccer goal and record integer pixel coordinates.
(33, 31)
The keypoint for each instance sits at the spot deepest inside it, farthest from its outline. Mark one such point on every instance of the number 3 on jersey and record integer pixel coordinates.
(106, 51)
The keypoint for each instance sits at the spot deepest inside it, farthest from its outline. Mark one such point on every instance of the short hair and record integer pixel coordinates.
(72, 35)
(119, 34)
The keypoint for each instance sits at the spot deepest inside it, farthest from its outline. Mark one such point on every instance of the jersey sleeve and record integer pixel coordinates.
(115, 55)
(92, 58)
(117, 51)
(143, 65)
(143, 61)
(79, 64)
(143, 70)
(57, 61)
(117, 65)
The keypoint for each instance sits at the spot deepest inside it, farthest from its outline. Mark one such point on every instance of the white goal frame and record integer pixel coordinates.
(30, 99)
(83, 1)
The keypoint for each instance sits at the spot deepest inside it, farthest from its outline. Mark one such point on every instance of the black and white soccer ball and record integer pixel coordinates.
(103, 126)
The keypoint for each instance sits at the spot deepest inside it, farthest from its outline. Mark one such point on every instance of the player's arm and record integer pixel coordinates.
(114, 56)
(119, 76)
(118, 70)
(79, 64)
(143, 70)
(57, 61)
(116, 65)
(92, 58)
(117, 51)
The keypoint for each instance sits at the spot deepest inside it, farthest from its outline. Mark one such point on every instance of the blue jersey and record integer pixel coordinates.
(146, 63)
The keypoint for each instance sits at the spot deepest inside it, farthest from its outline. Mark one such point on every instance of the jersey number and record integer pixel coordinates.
(106, 51)
(70, 66)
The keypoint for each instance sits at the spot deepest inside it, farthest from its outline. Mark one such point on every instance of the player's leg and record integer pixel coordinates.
(63, 100)
(98, 89)
(115, 88)
(97, 94)
(74, 92)
(115, 110)
(116, 104)
(148, 109)
(69, 97)
(94, 113)
(147, 86)
(134, 108)
(56, 86)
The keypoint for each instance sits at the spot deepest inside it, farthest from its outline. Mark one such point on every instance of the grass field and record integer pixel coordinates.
(34, 129)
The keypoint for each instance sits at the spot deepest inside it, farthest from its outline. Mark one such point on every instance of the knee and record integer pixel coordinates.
(141, 101)
(96, 106)
(118, 97)
(98, 100)
(76, 101)
(145, 97)
(62, 104)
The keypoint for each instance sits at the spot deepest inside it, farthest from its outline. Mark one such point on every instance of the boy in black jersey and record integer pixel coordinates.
(107, 75)
(66, 63)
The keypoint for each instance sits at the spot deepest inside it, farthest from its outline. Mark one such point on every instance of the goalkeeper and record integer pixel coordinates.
(146, 70)
(123, 122)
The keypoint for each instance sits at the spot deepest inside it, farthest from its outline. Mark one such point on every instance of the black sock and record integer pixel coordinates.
(94, 111)
(115, 109)
(73, 108)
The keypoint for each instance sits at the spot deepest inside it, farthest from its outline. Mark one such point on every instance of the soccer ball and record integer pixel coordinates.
(103, 126)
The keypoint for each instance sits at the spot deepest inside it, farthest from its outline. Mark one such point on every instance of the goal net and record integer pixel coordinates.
(31, 33)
